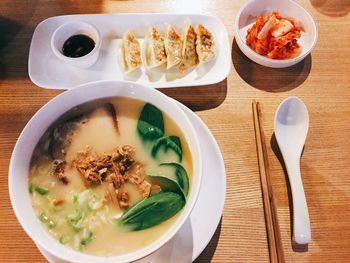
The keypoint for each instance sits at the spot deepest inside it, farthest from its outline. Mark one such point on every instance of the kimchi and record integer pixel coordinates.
(275, 37)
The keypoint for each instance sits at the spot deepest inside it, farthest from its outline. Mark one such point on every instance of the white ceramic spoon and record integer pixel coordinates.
(291, 127)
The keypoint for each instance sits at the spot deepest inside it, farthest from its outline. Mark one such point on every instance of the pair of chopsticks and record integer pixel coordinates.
(271, 219)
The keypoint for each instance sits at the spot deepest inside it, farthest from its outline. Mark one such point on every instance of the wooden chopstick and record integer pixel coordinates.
(271, 219)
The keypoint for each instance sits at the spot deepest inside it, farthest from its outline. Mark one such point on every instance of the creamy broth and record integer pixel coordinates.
(99, 232)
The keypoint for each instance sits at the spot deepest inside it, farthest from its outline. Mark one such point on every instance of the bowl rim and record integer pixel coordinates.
(291, 61)
(64, 252)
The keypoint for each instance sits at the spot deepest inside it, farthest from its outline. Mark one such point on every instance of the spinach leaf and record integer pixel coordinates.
(168, 142)
(150, 124)
(153, 210)
(181, 176)
(167, 184)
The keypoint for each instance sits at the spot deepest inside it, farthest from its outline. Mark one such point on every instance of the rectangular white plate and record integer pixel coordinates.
(47, 71)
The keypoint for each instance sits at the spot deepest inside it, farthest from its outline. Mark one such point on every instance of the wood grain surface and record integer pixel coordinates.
(322, 80)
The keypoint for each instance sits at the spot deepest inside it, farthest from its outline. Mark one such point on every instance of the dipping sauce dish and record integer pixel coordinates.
(77, 44)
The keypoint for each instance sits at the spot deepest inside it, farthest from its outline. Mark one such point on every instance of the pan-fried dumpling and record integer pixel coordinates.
(189, 55)
(154, 48)
(131, 52)
(173, 46)
(205, 46)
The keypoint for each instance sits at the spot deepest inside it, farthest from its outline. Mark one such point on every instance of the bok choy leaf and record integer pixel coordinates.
(153, 210)
(150, 124)
(168, 142)
(181, 176)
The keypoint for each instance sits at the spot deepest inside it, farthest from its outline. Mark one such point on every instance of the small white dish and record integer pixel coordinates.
(198, 230)
(67, 30)
(287, 8)
(50, 112)
(47, 71)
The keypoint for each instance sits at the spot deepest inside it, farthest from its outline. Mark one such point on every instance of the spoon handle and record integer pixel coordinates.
(302, 230)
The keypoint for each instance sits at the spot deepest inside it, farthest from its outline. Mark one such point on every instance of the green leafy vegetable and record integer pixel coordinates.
(86, 240)
(94, 202)
(71, 197)
(64, 239)
(89, 199)
(153, 210)
(84, 196)
(150, 124)
(31, 189)
(41, 190)
(168, 142)
(167, 184)
(43, 217)
(76, 220)
(181, 176)
(51, 224)
(46, 220)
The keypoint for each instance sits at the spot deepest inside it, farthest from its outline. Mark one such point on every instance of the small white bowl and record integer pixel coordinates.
(65, 31)
(287, 8)
(49, 113)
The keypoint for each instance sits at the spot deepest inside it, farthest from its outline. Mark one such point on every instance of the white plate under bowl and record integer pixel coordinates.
(48, 71)
(198, 230)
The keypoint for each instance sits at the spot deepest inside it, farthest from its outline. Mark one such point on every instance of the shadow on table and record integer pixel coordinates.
(269, 79)
(15, 35)
(8, 31)
(333, 8)
(199, 97)
(274, 146)
(208, 252)
(14, 49)
(18, 19)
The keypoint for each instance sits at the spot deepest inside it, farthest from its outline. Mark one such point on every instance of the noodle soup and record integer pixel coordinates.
(112, 179)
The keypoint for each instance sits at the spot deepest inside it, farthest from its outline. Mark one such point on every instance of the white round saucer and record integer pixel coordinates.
(198, 230)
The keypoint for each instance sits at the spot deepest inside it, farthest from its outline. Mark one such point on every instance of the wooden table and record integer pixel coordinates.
(322, 80)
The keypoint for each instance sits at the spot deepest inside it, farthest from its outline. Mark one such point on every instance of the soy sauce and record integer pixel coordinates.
(78, 46)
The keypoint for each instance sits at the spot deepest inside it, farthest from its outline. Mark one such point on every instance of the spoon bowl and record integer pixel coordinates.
(292, 124)
(291, 128)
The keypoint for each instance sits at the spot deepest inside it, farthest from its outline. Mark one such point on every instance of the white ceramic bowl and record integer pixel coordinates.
(21, 156)
(65, 31)
(287, 8)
